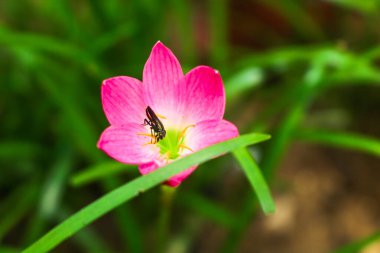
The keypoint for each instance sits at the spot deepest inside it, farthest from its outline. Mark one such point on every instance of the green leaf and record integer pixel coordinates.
(358, 246)
(368, 6)
(246, 79)
(341, 139)
(132, 189)
(99, 171)
(256, 179)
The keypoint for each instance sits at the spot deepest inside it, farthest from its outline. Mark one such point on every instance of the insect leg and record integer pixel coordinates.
(147, 123)
(151, 132)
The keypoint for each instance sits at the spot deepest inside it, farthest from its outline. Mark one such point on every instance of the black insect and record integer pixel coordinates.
(157, 129)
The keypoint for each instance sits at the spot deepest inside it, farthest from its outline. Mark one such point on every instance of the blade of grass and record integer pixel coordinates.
(243, 80)
(5, 249)
(283, 136)
(99, 171)
(341, 140)
(358, 246)
(82, 129)
(43, 43)
(281, 57)
(109, 39)
(114, 11)
(368, 7)
(218, 32)
(55, 184)
(63, 15)
(18, 150)
(281, 140)
(265, 117)
(88, 239)
(234, 236)
(208, 209)
(86, 137)
(372, 54)
(298, 17)
(132, 189)
(126, 220)
(50, 197)
(183, 19)
(256, 179)
(17, 206)
(163, 220)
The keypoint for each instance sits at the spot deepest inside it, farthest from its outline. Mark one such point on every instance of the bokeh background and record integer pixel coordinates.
(306, 72)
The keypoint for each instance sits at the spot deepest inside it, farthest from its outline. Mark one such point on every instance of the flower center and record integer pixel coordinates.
(173, 144)
(170, 146)
(170, 141)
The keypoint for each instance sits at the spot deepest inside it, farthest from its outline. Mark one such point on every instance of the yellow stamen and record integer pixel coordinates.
(185, 147)
(146, 134)
(184, 131)
(149, 135)
(148, 143)
(160, 116)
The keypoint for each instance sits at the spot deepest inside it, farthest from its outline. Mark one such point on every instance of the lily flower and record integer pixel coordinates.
(187, 114)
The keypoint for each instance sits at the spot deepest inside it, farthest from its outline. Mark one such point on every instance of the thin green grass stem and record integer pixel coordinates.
(135, 187)
(163, 224)
(360, 245)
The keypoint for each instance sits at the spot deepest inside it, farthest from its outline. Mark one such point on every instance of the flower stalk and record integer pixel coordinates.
(163, 223)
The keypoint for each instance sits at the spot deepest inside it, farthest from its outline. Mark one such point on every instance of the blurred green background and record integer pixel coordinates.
(306, 72)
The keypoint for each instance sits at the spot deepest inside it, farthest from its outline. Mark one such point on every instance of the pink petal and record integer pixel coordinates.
(161, 75)
(146, 168)
(173, 181)
(122, 99)
(209, 132)
(124, 144)
(202, 95)
(177, 179)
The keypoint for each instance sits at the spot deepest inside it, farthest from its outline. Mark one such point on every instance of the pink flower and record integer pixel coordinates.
(190, 107)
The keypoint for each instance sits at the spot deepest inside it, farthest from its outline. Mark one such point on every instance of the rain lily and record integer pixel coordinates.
(189, 107)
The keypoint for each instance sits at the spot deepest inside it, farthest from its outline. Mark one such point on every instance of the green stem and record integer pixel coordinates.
(167, 195)
(281, 139)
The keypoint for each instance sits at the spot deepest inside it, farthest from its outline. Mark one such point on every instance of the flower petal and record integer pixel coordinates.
(202, 95)
(146, 168)
(122, 99)
(209, 132)
(204, 134)
(161, 75)
(177, 179)
(173, 181)
(126, 145)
